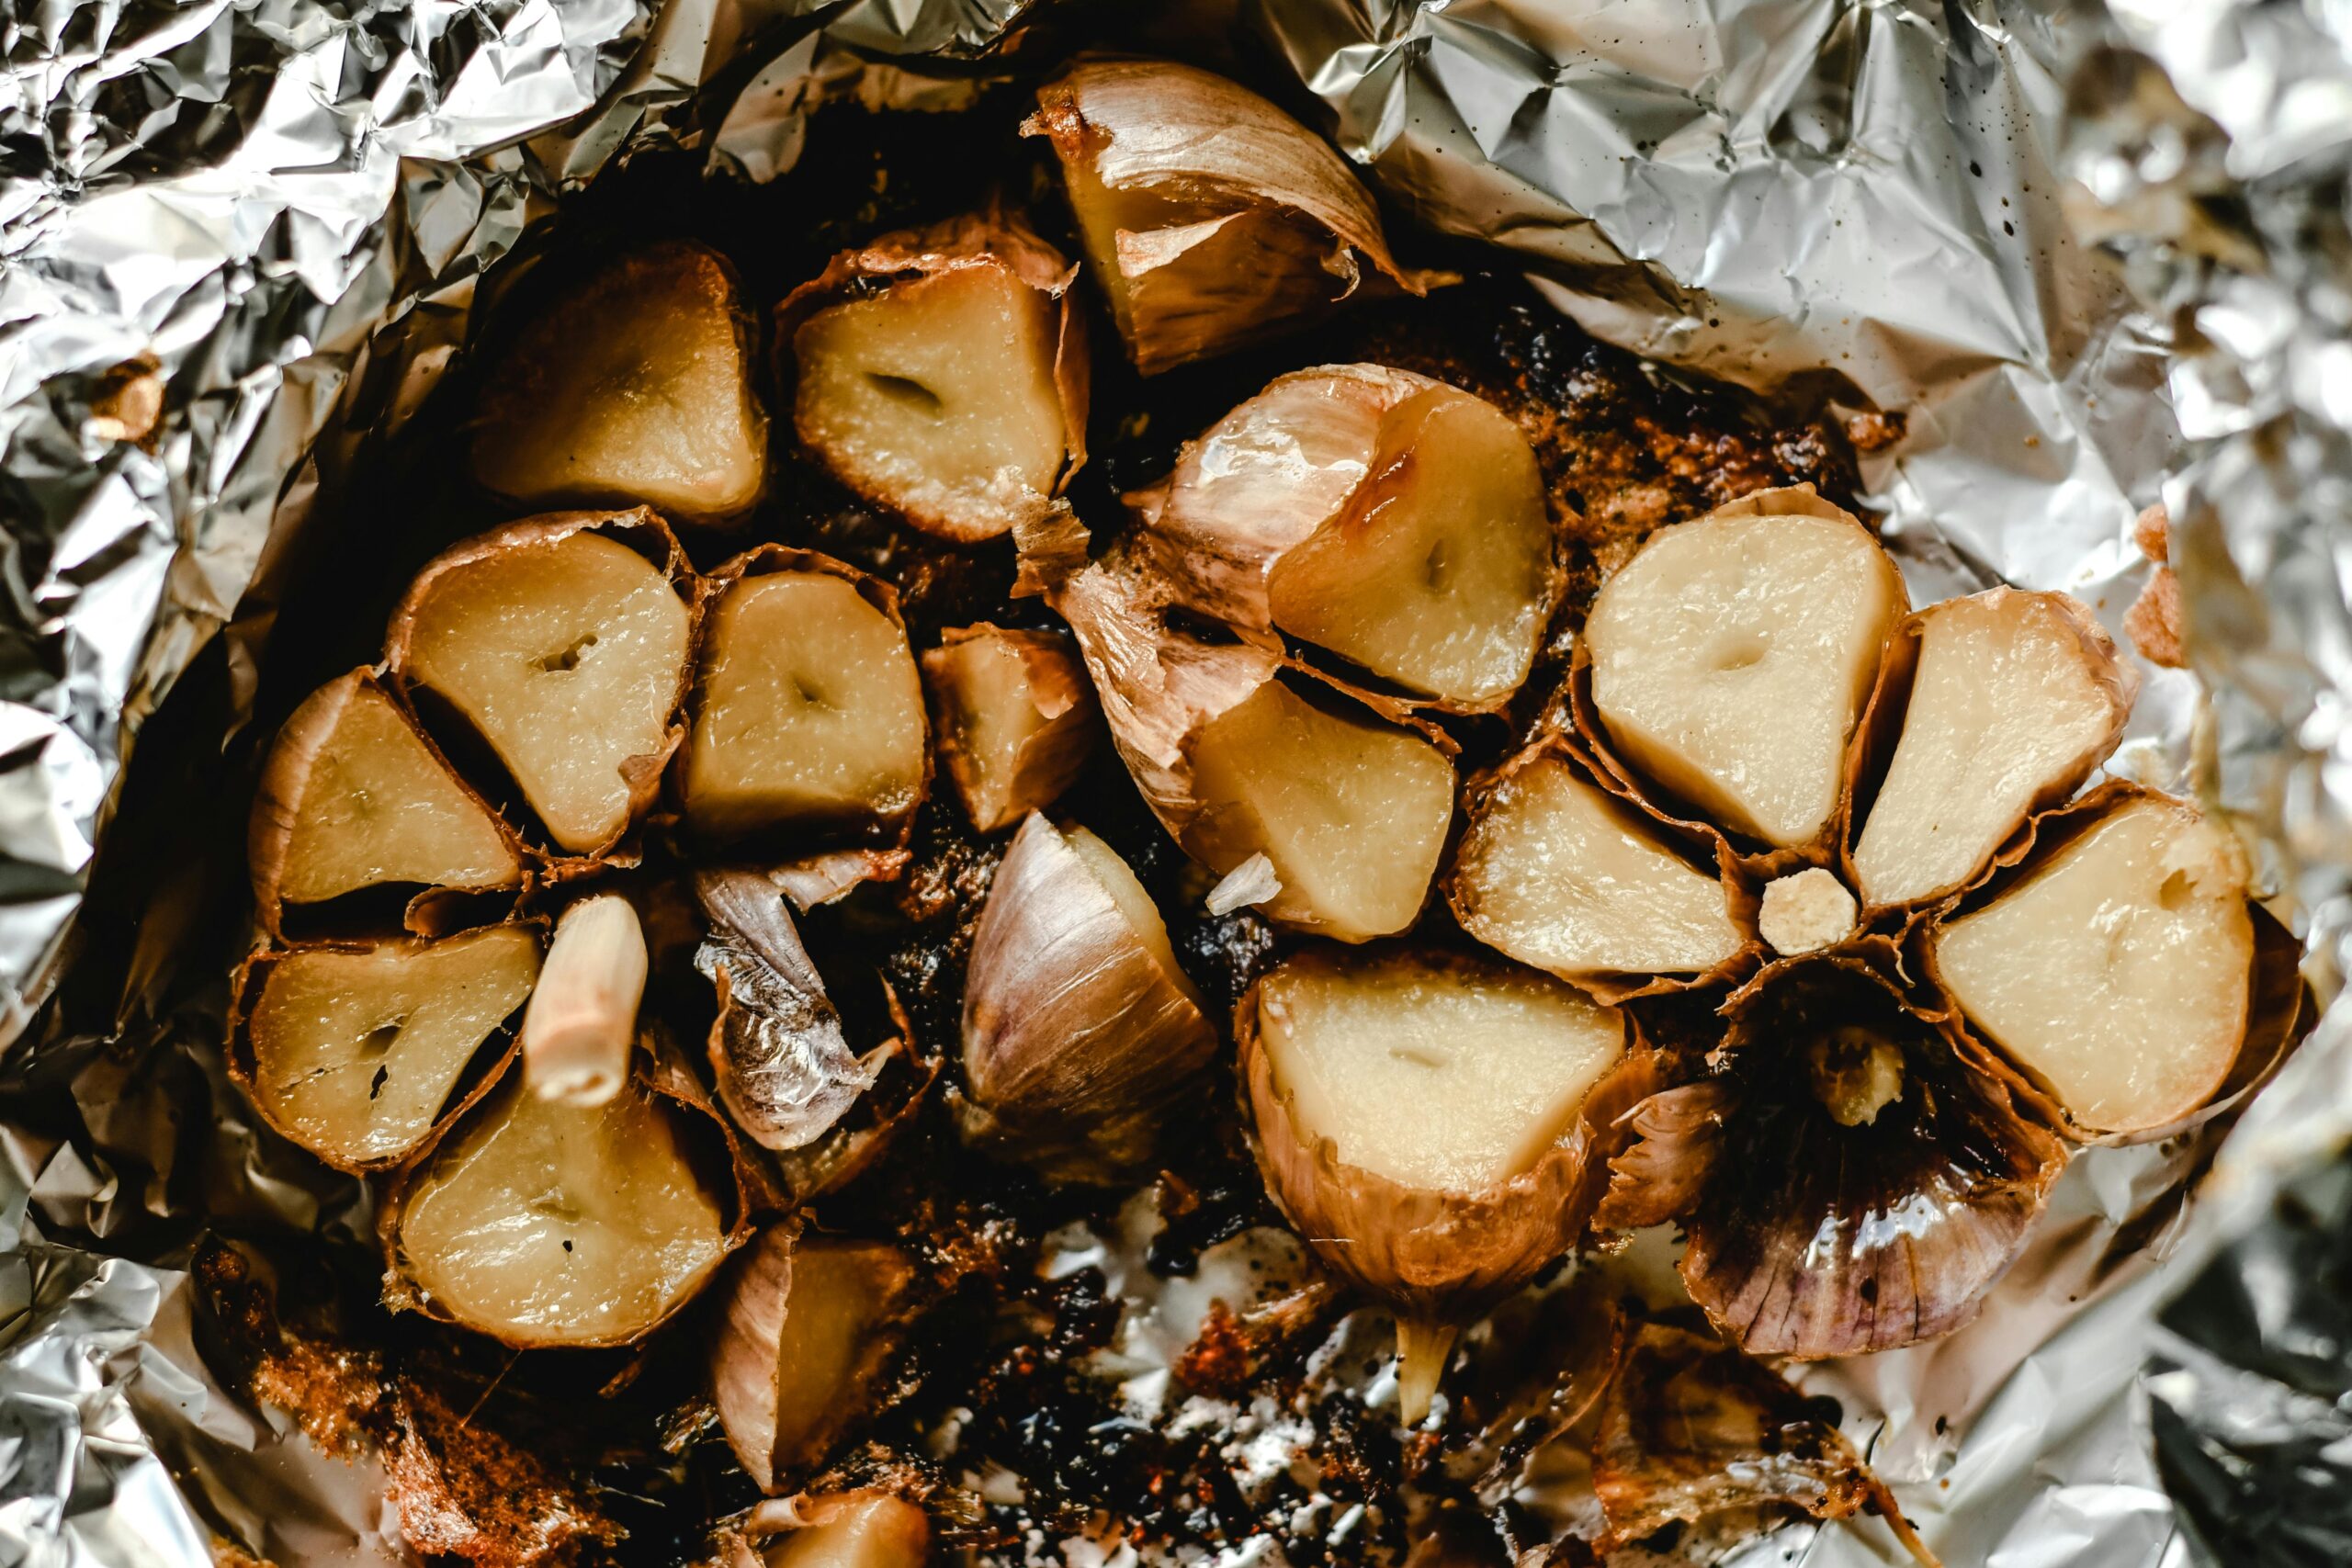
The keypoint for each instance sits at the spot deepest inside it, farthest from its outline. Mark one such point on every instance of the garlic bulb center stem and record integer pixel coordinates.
(1805, 912)
(1855, 1075)
(582, 1021)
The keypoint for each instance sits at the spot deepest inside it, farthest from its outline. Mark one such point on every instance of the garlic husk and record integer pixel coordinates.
(541, 1224)
(560, 644)
(1437, 1252)
(2041, 697)
(1080, 1028)
(357, 1052)
(807, 725)
(782, 1064)
(2226, 992)
(1690, 1430)
(840, 1530)
(1015, 716)
(1211, 219)
(1388, 519)
(838, 345)
(318, 833)
(808, 1325)
(1777, 1192)
(633, 387)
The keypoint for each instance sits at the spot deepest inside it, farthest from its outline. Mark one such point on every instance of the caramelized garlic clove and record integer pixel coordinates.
(581, 1026)
(1732, 655)
(2117, 971)
(354, 1053)
(1558, 874)
(1079, 1027)
(564, 648)
(353, 797)
(635, 387)
(1014, 716)
(809, 712)
(810, 1324)
(1211, 220)
(942, 374)
(2013, 699)
(852, 1529)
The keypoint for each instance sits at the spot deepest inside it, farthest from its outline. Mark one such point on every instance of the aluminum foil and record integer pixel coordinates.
(2095, 258)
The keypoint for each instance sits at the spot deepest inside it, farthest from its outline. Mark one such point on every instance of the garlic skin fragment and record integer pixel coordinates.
(2014, 699)
(1732, 655)
(808, 1325)
(353, 797)
(565, 650)
(853, 1529)
(1079, 1027)
(1014, 716)
(635, 387)
(1556, 873)
(2118, 971)
(353, 1053)
(1210, 219)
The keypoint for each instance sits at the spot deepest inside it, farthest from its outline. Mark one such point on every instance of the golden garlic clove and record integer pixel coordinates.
(1015, 716)
(355, 1052)
(354, 797)
(2117, 969)
(561, 641)
(810, 1324)
(1378, 514)
(2003, 703)
(850, 1529)
(1731, 658)
(1210, 219)
(808, 712)
(942, 373)
(1079, 1027)
(635, 387)
(581, 1027)
(1427, 1122)
(1559, 873)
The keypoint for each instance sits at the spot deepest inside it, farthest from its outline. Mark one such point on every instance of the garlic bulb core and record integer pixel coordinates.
(1856, 1074)
(1804, 912)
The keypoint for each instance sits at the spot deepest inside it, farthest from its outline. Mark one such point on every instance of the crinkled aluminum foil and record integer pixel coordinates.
(1993, 218)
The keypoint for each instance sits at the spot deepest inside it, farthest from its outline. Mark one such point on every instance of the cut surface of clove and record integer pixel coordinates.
(581, 1027)
(1015, 716)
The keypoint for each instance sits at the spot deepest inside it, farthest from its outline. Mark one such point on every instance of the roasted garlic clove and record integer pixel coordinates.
(1079, 1027)
(1385, 517)
(543, 1223)
(2007, 701)
(2116, 970)
(1015, 716)
(635, 387)
(1211, 219)
(852, 1529)
(810, 1324)
(1426, 1122)
(353, 797)
(353, 1052)
(564, 647)
(942, 374)
(581, 1027)
(1558, 873)
(1732, 655)
(809, 712)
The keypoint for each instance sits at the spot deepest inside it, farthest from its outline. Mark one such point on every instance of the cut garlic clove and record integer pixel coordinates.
(1211, 220)
(2117, 971)
(1015, 716)
(1079, 1027)
(1731, 658)
(942, 374)
(2013, 700)
(565, 650)
(636, 387)
(542, 1223)
(1558, 874)
(852, 1529)
(808, 711)
(354, 797)
(810, 1324)
(354, 1053)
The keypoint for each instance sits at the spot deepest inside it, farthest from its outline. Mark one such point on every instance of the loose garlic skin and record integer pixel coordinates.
(2119, 971)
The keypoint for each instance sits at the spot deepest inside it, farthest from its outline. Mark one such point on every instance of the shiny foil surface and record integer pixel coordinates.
(2097, 257)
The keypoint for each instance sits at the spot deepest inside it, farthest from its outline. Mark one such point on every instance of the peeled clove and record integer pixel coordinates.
(635, 387)
(1210, 219)
(1015, 716)
(1079, 1027)
(581, 1027)
(851, 1530)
